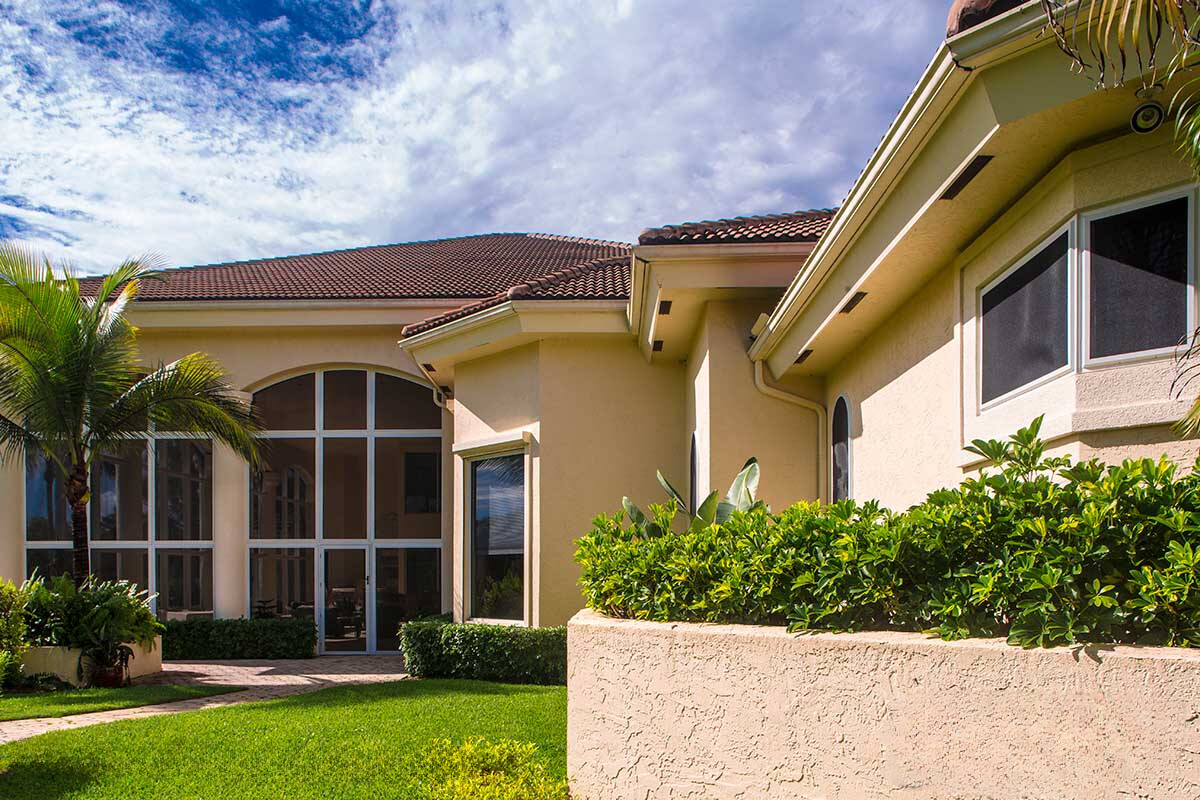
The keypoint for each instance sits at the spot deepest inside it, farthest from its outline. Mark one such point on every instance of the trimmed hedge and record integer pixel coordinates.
(212, 639)
(503, 653)
(1036, 549)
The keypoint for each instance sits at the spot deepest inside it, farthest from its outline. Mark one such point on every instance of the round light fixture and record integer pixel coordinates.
(1147, 118)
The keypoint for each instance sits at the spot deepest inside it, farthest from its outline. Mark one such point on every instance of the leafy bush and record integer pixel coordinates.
(509, 654)
(12, 632)
(101, 618)
(477, 769)
(210, 639)
(1035, 549)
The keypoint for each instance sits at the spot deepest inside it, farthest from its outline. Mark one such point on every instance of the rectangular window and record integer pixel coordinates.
(184, 584)
(1024, 319)
(407, 488)
(119, 500)
(281, 582)
(282, 491)
(122, 565)
(408, 584)
(183, 488)
(345, 472)
(498, 537)
(47, 515)
(48, 563)
(1138, 279)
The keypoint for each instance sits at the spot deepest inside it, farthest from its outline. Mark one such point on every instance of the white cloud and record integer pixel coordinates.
(125, 131)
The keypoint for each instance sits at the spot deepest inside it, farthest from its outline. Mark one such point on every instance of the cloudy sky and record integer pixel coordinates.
(213, 130)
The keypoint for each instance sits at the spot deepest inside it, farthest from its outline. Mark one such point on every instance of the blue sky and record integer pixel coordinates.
(212, 131)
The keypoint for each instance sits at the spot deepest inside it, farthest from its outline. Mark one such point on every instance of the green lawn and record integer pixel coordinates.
(82, 701)
(337, 744)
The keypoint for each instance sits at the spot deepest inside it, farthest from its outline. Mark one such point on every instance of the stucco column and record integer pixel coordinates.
(12, 528)
(231, 483)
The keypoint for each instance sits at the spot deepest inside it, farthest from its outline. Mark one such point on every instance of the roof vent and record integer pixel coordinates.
(664, 307)
(428, 367)
(800, 359)
(853, 302)
(966, 176)
(658, 345)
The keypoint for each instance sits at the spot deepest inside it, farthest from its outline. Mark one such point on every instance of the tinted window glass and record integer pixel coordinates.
(289, 405)
(183, 489)
(283, 493)
(407, 585)
(48, 563)
(841, 450)
(1025, 322)
(1138, 280)
(119, 500)
(345, 467)
(281, 582)
(122, 565)
(404, 405)
(184, 584)
(345, 400)
(47, 515)
(498, 537)
(408, 488)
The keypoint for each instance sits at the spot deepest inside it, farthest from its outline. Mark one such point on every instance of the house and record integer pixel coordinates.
(1013, 248)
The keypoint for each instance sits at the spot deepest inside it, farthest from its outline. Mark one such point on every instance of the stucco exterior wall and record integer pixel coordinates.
(609, 421)
(12, 520)
(750, 713)
(742, 422)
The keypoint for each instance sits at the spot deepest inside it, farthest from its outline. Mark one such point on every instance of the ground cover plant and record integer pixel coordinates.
(1035, 549)
(31, 703)
(349, 742)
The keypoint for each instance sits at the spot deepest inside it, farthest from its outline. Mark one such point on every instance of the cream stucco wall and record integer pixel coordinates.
(679, 710)
(738, 421)
(911, 382)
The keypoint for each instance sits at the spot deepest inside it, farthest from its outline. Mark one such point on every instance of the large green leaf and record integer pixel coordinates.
(669, 489)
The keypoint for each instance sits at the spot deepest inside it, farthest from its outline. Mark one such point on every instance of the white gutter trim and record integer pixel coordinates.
(760, 383)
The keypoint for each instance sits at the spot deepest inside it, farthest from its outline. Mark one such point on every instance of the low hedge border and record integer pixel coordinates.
(502, 653)
(213, 639)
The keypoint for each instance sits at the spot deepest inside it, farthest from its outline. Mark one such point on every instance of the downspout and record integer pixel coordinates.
(439, 399)
(760, 383)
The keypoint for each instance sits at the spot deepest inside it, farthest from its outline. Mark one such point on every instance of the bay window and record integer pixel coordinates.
(1134, 286)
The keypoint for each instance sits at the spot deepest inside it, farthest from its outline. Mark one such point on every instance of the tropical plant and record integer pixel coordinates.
(740, 497)
(12, 632)
(72, 386)
(100, 618)
(1035, 549)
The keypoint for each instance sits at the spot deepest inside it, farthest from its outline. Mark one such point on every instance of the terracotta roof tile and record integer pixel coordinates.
(600, 279)
(799, 226)
(464, 267)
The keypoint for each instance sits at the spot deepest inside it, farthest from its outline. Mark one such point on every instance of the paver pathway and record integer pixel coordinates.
(261, 680)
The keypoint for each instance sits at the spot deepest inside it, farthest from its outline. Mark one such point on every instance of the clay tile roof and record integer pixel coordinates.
(464, 267)
(599, 279)
(965, 14)
(799, 226)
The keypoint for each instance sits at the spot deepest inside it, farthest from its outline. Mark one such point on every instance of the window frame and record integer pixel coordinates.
(1070, 228)
(152, 543)
(319, 543)
(467, 454)
(1084, 292)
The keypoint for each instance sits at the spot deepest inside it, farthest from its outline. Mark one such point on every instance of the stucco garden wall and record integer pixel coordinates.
(689, 711)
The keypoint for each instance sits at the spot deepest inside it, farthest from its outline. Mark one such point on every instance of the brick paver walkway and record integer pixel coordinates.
(261, 680)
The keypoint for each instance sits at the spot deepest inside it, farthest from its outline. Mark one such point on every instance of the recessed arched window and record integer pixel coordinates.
(841, 450)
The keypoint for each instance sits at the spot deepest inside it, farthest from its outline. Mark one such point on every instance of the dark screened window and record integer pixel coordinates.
(47, 514)
(1138, 279)
(346, 400)
(289, 405)
(49, 563)
(1025, 322)
(183, 485)
(404, 405)
(498, 537)
(841, 450)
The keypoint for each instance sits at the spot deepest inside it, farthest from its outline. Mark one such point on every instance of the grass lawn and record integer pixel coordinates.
(82, 701)
(336, 744)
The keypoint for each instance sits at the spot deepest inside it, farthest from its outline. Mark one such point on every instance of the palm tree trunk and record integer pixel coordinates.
(77, 496)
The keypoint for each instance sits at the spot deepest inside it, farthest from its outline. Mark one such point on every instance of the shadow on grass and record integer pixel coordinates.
(43, 781)
(412, 689)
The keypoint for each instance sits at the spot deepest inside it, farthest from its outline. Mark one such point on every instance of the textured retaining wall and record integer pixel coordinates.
(660, 710)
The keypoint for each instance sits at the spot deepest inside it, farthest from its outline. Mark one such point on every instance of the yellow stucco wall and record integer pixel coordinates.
(911, 383)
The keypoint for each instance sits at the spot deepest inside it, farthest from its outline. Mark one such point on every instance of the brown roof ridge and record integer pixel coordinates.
(759, 227)
(525, 289)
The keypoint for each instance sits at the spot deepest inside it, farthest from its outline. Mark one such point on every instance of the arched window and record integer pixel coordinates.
(841, 450)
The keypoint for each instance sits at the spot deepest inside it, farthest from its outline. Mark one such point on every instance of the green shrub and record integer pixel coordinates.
(12, 632)
(509, 654)
(101, 618)
(213, 639)
(477, 769)
(1035, 549)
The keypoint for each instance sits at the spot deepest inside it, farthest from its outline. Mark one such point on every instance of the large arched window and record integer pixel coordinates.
(840, 441)
(345, 508)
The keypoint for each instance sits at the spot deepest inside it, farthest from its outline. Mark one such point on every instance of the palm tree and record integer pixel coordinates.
(1152, 40)
(72, 386)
